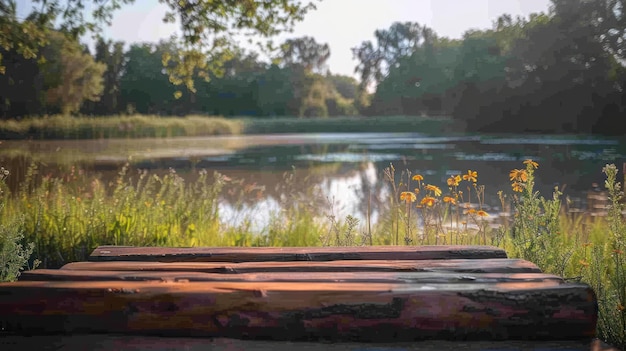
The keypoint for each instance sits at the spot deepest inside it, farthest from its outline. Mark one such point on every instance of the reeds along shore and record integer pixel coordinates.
(148, 126)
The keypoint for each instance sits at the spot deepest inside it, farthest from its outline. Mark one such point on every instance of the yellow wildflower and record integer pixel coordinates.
(517, 186)
(482, 213)
(408, 196)
(470, 176)
(434, 189)
(454, 180)
(428, 201)
(449, 199)
(584, 263)
(418, 177)
(518, 175)
(532, 163)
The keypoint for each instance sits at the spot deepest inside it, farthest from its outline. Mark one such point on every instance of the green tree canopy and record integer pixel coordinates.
(305, 53)
(392, 45)
(207, 27)
(71, 76)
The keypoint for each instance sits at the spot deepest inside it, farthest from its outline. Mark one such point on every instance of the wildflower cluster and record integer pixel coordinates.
(436, 207)
(520, 177)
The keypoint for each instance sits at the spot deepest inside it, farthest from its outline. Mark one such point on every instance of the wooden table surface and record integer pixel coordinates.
(356, 298)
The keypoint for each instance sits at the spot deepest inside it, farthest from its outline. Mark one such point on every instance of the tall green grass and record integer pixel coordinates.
(64, 218)
(142, 126)
(135, 126)
(67, 217)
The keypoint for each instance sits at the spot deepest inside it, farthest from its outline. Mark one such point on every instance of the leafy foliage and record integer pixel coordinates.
(305, 53)
(14, 256)
(559, 71)
(207, 27)
(70, 75)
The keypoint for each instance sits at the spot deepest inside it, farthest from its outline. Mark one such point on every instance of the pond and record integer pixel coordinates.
(345, 167)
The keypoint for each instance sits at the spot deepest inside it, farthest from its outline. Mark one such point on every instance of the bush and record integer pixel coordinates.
(13, 255)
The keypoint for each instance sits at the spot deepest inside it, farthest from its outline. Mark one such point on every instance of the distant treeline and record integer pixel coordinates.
(557, 72)
(114, 81)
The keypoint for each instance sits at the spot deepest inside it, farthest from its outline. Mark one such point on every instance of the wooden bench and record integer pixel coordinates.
(357, 298)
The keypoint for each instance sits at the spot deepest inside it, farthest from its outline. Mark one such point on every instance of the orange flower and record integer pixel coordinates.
(470, 211)
(518, 175)
(482, 213)
(517, 186)
(418, 177)
(470, 176)
(408, 196)
(434, 189)
(428, 201)
(532, 163)
(449, 199)
(454, 180)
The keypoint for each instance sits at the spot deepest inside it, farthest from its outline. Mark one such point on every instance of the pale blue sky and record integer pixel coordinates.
(342, 24)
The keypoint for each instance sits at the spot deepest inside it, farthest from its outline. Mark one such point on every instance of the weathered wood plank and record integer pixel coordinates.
(304, 311)
(499, 265)
(369, 277)
(104, 342)
(258, 254)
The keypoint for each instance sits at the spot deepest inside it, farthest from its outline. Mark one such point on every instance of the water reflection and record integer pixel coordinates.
(346, 168)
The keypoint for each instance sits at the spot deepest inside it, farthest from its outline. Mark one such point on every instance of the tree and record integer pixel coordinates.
(604, 20)
(305, 53)
(274, 92)
(23, 37)
(557, 66)
(20, 86)
(144, 87)
(346, 86)
(411, 67)
(71, 76)
(112, 55)
(207, 27)
(479, 75)
(238, 90)
(393, 44)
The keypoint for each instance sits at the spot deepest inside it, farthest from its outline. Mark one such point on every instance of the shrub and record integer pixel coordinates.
(14, 255)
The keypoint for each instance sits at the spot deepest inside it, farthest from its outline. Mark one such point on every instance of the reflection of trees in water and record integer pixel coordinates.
(258, 173)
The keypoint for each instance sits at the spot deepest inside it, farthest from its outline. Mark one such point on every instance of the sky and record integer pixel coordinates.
(342, 24)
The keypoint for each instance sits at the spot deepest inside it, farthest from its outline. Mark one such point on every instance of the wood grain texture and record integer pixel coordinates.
(103, 342)
(363, 277)
(304, 311)
(499, 265)
(259, 254)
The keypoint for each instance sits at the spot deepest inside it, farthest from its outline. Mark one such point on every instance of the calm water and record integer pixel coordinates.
(345, 167)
